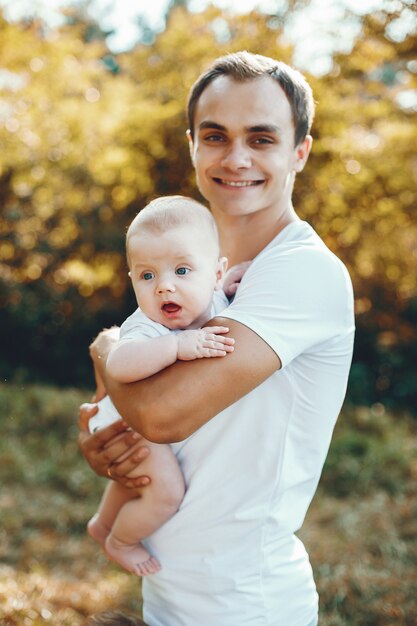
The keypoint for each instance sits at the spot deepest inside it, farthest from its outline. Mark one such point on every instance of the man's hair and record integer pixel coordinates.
(243, 66)
(114, 618)
(169, 212)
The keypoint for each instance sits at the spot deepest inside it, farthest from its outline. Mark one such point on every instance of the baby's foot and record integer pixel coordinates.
(133, 558)
(98, 530)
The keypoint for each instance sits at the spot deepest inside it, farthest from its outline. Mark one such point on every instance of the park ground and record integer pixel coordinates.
(360, 531)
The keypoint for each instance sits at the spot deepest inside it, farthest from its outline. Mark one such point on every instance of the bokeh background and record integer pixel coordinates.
(92, 127)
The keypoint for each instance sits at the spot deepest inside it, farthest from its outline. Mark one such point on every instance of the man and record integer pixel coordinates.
(253, 429)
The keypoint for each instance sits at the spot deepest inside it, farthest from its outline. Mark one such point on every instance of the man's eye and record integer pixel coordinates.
(181, 271)
(262, 140)
(147, 276)
(213, 138)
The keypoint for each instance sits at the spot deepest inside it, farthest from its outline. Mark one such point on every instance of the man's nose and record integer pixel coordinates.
(237, 156)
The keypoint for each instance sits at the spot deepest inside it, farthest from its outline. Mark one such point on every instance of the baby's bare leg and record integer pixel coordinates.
(140, 517)
(114, 497)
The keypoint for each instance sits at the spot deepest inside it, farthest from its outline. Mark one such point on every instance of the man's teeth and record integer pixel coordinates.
(238, 183)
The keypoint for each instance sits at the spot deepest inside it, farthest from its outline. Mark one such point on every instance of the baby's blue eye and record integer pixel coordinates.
(147, 276)
(181, 271)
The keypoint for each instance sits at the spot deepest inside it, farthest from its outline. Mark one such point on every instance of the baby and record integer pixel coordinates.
(177, 276)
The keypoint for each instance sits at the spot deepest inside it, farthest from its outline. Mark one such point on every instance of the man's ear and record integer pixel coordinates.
(220, 272)
(190, 145)
(301, 153)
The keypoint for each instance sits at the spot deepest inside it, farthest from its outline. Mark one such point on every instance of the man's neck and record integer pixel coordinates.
(242, 239)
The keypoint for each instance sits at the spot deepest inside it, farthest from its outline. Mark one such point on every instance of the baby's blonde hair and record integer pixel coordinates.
(169, 212)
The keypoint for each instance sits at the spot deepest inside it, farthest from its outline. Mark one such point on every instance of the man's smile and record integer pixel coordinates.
(237, 183)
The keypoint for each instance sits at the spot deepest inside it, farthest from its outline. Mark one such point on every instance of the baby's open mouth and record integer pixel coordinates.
(171, 307)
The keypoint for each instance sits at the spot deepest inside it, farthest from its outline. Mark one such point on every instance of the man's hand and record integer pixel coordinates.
(233, 277)
(204, 343)
(113, 451)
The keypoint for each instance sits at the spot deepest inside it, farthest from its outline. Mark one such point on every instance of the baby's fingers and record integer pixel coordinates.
(211, 338)
(226, 341)
(232, 288)
(212, 352)
(217, 330)
(216, 348)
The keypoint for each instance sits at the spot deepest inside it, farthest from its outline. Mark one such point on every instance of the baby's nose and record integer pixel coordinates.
(166, 285)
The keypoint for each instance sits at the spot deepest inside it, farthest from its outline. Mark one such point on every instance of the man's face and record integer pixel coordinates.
(174, 275)
(243, 149)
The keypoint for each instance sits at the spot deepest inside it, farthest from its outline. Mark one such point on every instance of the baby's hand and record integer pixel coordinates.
(204, 343)
(233, 277)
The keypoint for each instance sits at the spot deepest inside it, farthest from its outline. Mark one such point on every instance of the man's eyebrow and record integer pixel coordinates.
(258, 128)
(264, 128)
(209, 124)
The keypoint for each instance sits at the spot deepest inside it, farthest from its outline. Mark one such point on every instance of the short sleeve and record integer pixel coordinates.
(220, 302)
(295, 298)
(138, 326)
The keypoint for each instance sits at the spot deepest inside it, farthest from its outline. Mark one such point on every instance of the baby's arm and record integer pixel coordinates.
(133, 360)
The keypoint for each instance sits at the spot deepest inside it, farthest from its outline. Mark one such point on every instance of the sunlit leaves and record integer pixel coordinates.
(84, 147)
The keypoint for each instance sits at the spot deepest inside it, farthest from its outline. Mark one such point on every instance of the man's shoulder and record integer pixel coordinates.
(299, 245)
(299, 248)
(297, 270)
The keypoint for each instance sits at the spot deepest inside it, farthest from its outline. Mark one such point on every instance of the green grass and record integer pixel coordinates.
(361, 530)
(51, 573)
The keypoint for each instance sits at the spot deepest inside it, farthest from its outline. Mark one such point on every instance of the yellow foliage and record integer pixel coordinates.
(85, 148)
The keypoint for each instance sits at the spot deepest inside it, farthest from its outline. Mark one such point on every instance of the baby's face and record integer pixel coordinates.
(174, 275)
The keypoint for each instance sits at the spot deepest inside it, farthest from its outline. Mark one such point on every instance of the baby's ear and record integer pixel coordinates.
(221, 271)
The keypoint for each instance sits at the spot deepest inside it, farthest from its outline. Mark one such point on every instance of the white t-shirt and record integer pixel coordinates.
(229, 556)
(139, 326)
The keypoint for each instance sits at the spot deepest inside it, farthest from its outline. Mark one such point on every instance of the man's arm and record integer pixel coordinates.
(175, 402)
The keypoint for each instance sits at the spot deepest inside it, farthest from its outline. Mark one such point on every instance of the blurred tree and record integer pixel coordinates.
(61, 165)
(362, 177)
(85, 149)
(90, 138)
